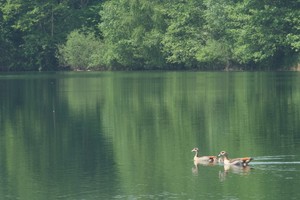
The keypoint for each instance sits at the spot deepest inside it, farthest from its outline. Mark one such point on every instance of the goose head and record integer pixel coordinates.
(223, 153)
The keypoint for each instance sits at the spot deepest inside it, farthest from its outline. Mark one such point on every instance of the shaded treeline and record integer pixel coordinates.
(142, 34)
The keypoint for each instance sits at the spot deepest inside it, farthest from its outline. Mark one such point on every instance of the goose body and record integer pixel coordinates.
(199, 159)
(236, 161)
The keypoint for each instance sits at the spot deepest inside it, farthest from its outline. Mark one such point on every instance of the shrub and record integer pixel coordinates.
(81, 51)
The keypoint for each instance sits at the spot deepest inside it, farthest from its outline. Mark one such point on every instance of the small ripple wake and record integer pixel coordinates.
(276, 163)
(276, 160)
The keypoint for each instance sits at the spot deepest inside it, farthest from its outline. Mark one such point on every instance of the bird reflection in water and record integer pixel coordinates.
(240, 170)
(201, 163)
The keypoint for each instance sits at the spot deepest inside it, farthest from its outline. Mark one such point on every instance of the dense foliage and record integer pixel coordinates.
(31, 30)
(142, 34)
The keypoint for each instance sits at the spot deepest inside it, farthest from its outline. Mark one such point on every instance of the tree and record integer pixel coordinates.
(142, 34)
(81, 51)
(265, 31)
(185, 34)
(132, 30)
(216, 51)
(4, 45)
(38, 26)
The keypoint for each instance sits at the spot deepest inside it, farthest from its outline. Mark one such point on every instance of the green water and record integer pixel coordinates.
(129, 135)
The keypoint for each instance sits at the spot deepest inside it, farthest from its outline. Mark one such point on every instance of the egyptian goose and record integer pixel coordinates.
(237, 161)
(198, 158)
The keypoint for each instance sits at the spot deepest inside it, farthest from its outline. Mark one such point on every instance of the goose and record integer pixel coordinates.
(199, 159)
(236, 161)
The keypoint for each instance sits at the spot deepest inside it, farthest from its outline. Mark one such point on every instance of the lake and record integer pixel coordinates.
(129, 135)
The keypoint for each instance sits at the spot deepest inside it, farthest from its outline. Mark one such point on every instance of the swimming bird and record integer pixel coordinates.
(236, 161)
(199, 159)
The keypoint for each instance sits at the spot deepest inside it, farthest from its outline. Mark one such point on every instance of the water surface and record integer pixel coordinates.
(129, 135)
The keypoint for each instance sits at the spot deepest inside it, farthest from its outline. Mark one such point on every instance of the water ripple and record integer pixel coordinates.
(276, 163)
